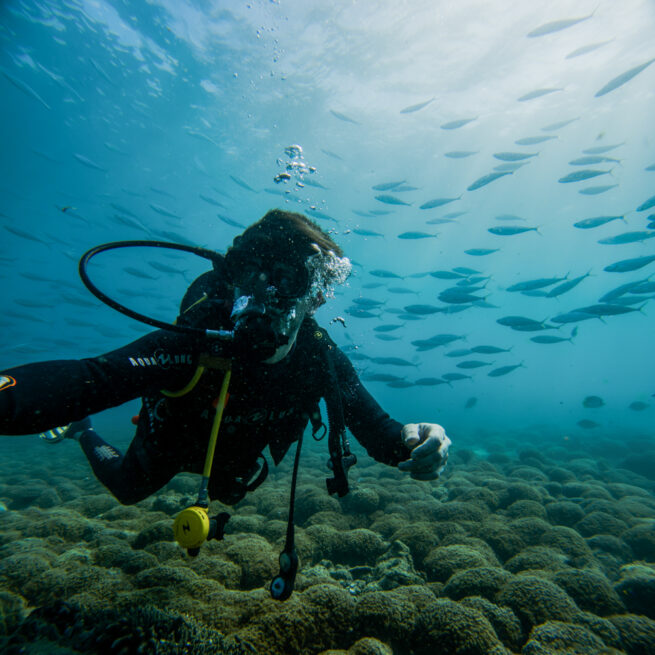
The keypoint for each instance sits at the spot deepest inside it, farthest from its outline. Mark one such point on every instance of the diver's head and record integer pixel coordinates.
(282, 268)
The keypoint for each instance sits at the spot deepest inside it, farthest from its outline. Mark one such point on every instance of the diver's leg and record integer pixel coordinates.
(122, 474)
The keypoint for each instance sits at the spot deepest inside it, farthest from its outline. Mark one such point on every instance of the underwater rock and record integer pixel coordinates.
(569, 542)
(536, 557)
(158, 531)
(574, 489)
(600, 523)
(386, 525)
(536, 601)
(564, 512)
(170, 504)
(19, 572)
(257, 559)
(590, 591)
(558, 638)
(395, 568)
(518, 491)
(420, 539)
(48, 498)
(13, 611)
(450, 628)
(479, 495)
(123, 557)
(504, 622)
(641, 539)
(181, 579)
(361, 500)
(484, 581)
(386, 617)
(526, 508)
(63, 523)
(62, 627)
(460, 512)
(368, 646)
(442, 562)
(308, 502)
(637, 589)
(637, 633)
(321, 617)
(606, 543)
(530, 530)
(91, 505)
(501, 538)
(352, 547)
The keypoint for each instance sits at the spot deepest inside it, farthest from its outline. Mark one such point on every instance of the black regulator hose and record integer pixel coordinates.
(205, 253)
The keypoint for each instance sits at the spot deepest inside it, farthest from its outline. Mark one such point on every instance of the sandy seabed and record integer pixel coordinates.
(541, 549)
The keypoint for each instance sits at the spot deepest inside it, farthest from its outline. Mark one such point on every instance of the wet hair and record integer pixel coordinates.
(286, 235)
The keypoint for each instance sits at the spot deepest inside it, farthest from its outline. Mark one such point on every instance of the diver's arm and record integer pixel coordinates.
(40, 396)
(369, 423)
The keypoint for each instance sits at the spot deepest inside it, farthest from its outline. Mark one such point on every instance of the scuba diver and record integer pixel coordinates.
(247, 323)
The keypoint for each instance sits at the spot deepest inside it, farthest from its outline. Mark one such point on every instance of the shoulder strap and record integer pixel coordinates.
(341, 459)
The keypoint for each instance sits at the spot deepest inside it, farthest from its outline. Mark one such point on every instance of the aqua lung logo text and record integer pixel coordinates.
(255, 416)
(162, 360)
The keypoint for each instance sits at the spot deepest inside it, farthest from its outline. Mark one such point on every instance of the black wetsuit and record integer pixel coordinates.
(268, 405)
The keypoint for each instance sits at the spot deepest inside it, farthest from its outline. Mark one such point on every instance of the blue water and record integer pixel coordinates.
(134, 110)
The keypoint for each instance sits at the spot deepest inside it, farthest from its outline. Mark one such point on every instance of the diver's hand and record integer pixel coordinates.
(429, 445)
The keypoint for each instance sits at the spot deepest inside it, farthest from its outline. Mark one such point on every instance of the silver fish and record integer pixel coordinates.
(392, 361)
(382, 273)
(595, 190)
(437, 202)
(589, 160)
(230, 221)
(472, 363)
(530, 285)
(454, 125)
(599, 150)
(621, 79)
(579, 176)
(25, 88)
(606, 309)
(88, 163)
(537, 93)
(343, 117)
(647, 204)
(558, 126)
(412, 108)
(586, 49)
(415, 235)
(392, 200)
(510, 230)
(588, 223)
(628, 237)
(460, 154)
(480, 252)
(387, 186)
(242, 184)
(367, 233)
(211, 201)
(503, 370)
(514, 156)
(566, 286)
(556, 26)
(533, 140)
(547, 338)
(422, 310)
(626, 265)
(487, 179)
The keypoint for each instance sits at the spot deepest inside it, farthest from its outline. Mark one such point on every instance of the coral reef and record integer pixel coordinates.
(532, 550)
